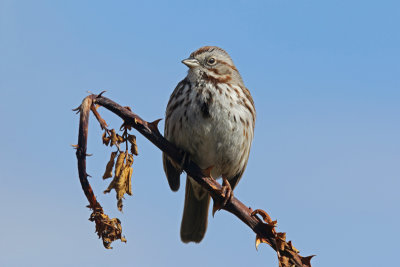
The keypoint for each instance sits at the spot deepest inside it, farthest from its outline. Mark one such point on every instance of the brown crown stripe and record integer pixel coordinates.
(206, 49)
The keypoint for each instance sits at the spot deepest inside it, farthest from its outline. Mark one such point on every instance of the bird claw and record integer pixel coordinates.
(207, 172)
(227, 193)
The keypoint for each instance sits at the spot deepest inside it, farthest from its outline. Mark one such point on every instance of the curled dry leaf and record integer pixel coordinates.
(129, 182)
(280, 241)
(265, 216)
(110, 166)
(284, 249)
(120, 139)
(122, 179)
(114, 137)
(269, 226)
(284, 261)
(132, 140)
(107, 229)
(106, 140)
(292, 247)
(119, 164)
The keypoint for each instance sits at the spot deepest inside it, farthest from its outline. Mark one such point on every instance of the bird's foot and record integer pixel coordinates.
(226, 192)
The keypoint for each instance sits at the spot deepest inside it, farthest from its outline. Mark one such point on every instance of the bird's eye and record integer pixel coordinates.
(211, 61)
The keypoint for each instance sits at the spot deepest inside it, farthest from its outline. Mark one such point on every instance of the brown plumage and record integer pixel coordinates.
(210, 116)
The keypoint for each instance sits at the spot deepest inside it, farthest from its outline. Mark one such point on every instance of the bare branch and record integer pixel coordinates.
(107, 229)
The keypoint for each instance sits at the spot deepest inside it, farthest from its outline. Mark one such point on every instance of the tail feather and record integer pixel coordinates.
(195, 214)
(173, 174)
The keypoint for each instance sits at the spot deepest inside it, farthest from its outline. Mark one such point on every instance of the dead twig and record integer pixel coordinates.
(107, 229)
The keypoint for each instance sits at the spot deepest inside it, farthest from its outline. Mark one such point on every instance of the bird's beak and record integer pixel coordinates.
(191, 62)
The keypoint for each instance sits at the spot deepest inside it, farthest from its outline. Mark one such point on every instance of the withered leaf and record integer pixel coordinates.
(280, 241)
(106, 140)
(265, 216)
(281, 236)
(132, 140)
(122, 180)
(120, 139)
(114, 137)
(110, 165)
(292, 247)
(120, 164)
(107, 229)
(129, 182)
(284, 261)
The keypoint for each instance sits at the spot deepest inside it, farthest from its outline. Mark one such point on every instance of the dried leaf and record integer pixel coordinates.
(284, 261)
(114, 137)
(129, 182)
(281, 236)
(107, 229)
(110, 165)
(265, 216)
(120, 164)
(292, 247)
(122, 179)
(106, 140)
(132, 140)
(280, 241)
(120, 139)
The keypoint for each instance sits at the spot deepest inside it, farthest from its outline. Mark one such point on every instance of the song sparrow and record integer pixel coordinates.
(211, 116)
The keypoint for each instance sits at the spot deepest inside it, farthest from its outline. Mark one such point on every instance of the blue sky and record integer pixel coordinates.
(325, 158)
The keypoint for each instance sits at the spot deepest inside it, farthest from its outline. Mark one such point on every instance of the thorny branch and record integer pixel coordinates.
(107, 229)
(264, 228)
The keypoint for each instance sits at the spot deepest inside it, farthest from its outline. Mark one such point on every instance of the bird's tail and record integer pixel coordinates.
(195, 212)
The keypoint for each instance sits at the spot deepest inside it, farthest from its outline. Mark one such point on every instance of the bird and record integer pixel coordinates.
(210, 116)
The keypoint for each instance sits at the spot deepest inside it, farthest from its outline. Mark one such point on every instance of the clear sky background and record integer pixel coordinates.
(325, 161)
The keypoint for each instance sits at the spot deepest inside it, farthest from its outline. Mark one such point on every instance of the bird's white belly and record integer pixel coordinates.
(216, 140)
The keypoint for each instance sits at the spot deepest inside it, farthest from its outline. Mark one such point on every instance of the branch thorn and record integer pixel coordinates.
(99, 95)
